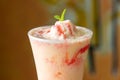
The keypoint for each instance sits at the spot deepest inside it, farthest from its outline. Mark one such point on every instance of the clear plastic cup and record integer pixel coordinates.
(60, 60)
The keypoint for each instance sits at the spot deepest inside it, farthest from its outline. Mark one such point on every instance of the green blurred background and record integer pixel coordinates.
(19, 16)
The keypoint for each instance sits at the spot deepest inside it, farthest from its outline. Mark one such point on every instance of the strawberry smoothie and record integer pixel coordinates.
(60, 50)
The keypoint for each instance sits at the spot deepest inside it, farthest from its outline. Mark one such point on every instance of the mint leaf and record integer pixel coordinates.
(60, 18)
(63, 15)
(57, 17)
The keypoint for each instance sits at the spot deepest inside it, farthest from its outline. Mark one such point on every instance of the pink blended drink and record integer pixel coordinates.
(60, 50)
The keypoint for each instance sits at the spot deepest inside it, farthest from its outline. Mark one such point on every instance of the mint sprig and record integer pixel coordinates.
(60, 17)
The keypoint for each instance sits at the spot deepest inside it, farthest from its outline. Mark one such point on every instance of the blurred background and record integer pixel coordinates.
(19, 16)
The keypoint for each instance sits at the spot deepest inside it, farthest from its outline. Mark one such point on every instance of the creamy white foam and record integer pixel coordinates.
(62, 30)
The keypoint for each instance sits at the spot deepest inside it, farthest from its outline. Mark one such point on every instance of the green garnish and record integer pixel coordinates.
(60, 18)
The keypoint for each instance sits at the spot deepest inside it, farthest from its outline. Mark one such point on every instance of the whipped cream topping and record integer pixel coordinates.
(61, 30)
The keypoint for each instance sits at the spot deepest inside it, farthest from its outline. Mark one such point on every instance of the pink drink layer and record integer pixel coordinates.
(61, 57)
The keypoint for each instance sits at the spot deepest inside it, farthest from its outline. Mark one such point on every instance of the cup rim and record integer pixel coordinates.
(88, 35)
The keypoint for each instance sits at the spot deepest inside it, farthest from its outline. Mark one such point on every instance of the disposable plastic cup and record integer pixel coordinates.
(60, 59)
